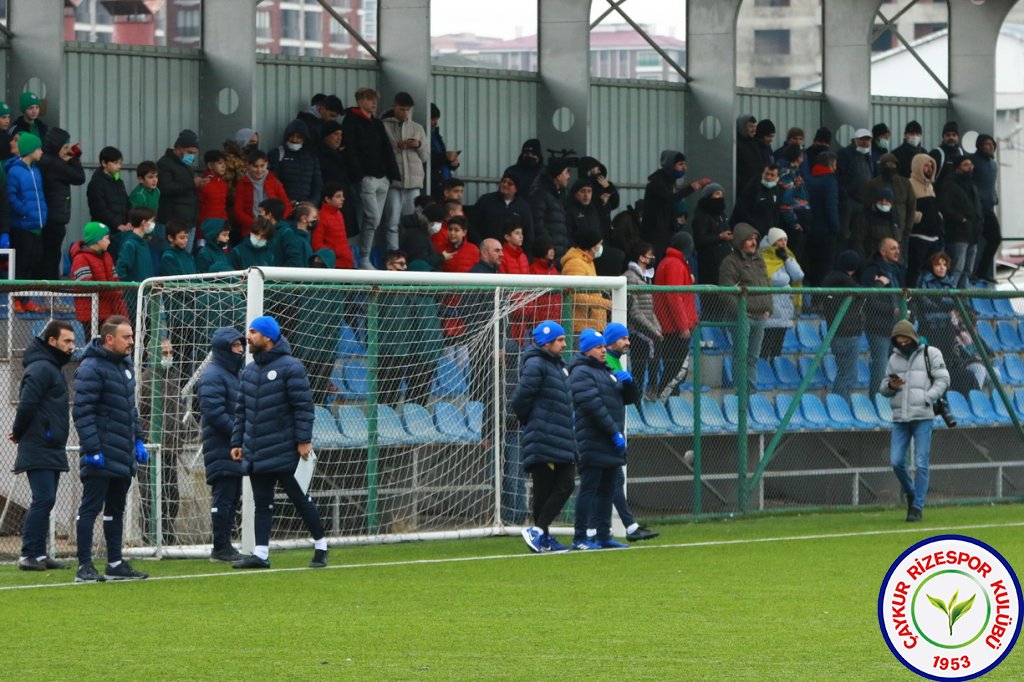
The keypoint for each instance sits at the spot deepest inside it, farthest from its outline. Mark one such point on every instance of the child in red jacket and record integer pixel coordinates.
(213, 195)
(257, 184)
(90, 262)
(330, 229)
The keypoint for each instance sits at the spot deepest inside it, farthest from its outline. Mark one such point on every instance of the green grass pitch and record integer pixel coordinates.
(766, 598)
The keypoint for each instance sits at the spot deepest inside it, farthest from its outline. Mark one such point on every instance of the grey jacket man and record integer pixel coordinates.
(914, 400)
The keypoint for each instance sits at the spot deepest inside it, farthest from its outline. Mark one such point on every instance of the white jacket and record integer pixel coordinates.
(913, 401)
(410, 161)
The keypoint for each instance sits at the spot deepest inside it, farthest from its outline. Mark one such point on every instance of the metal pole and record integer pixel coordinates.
(698, 488)
(739, 373)
(372, 445)
(253, 309)
(497, 389)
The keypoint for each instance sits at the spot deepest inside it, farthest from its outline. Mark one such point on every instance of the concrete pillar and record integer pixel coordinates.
(711, 108)
(36, 57)
(403, 40)
(563, 36)
(846, 63)
(973, 32)
(228, 73)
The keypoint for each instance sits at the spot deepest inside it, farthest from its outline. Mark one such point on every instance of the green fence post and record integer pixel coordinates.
(156, 419)
(372, 448)
(698, 487)
(739, 384)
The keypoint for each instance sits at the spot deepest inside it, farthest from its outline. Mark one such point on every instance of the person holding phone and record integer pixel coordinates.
(916, 380)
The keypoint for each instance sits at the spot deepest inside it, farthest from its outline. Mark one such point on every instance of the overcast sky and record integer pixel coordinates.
(512, 18)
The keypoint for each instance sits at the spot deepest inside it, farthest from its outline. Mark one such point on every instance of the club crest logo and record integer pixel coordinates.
(949, 608)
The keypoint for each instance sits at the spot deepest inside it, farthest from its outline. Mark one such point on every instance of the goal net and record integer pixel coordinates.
(410, 374)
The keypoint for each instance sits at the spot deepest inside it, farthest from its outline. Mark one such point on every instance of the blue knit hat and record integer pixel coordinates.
(590, 339)
(267, 326)
(614, 332)
(546, 332)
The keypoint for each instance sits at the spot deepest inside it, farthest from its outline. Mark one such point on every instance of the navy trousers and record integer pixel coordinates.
(263, 499)
(225, 496)
(43, 483)
(108, 494)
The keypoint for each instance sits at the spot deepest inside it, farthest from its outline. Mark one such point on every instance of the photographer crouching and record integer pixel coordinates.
(916, 383)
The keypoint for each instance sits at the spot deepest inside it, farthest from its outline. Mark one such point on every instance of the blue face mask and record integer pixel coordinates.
(188, 159)
(678, 173)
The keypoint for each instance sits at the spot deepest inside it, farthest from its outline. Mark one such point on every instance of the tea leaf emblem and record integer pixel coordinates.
(954, 611)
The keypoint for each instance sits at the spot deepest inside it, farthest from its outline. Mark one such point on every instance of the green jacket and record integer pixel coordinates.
(134, 262)
(145, 198)
(245, 255)
(211, 258)
(176, 261)
(292, 248)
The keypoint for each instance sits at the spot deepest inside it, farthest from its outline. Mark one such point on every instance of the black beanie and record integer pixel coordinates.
(951, 127)
(578, 185)
(764, 127)
(823, 134)
(587, 238)
(879, 129)
(434, 213)
(912, 127)
(556, 166)
(682, 242)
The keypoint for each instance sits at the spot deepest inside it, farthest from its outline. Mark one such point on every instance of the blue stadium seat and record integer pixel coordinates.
(451, 423)
(731, 409)
(961, 409)
(840, 415)
(357, 379)
(764, 376)
(635, 423)
(656, 416)
(349, 344)
(884, 408)
(831, 369)
(727, 381)
(797, 421)
(1008, 335)
(790, 345)
(389, 428)
(983, 307)
(864, 411)
(716, 340)
(863, 374)
(711, 418)
(680, 410)
(815, 412)
(351, 425)
(1004, 308)
(808, 334)
(864, 347)
(449, 382)
(475, 418)
(325, 430)
(420, 425)
(786, 373)
(818, 380)
(1000, 409)
(988, 335)
(983, 409)
(762, 412)
(1018, 400)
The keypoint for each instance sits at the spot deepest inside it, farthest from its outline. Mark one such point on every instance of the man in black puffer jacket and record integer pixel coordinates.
(40, 430)
(599, 397)
(273, 429)
(110, 437)
(542, 404)
(60, 168)
(218, 398)
(547, 206)
(296, 165)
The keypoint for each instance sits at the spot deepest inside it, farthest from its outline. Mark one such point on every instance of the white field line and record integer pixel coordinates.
(526, 555)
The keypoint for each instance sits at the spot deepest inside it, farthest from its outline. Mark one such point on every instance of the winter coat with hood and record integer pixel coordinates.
(490, 213)
(709, 222)
(961, 208)
(758, 206)
(542, 403)
(905, 154)
(410, 160)
(852, 323)
(748, 270)
(218, 399)
(855, 170)
(178, 195)
(58, 176)
(108, 200)
(212, 258)
(547, 209)
(525, 170)
(641, 315)
(105, 414)
(823, 193)
(298, 170)
(274, 413)
(134, 262)
(589, 308)
(599, 401)
(986, 169)
(914, 400)
(41, 424)
(245, 254)
(781, 273)
(927, 219)
(213, 198)
(581, 218)
(245, 205)
(676, 312)
(88, 265)
(904, 202)
(368, 147)
(25, 192)
(748, 154)
(330, 234)
(661, 195)
(604, 208)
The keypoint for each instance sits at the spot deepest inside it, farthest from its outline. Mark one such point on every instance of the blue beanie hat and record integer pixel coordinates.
(614, 332)
(546, 332)
(267, 326)
(590, 339)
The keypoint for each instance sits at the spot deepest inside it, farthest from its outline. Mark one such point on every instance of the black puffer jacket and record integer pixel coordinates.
(298, 171)
(58, 176)
(178, 195)
(218, 398)
(599, 400)
(542, 403)
(108, 200)
(547, 208)
(105, 413)
(369, 148)
(41, 422)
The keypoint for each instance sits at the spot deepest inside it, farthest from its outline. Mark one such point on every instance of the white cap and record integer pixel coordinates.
(862, 132)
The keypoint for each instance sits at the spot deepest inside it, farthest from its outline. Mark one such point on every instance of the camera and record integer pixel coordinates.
(941, 408)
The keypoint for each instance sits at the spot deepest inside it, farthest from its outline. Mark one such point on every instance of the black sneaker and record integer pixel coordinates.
(251, 561)
(914, 514)
(910, 502)
(123, 571)
(87, 573)
(54, 565)
(228, 554)
(27, 563)
(319, 559)
(642, 533)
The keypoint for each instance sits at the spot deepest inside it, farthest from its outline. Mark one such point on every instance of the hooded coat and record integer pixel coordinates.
(927, 219)
(178, 195)
(547, 209)
(218, 399)
(330, 234)
(369, 151)
(709, 222)
(589, 308)
(676, 312)
(105, 414)
(961, 208)
(274, 413)
(212, 258)
(410, 161)
(904, 203)
(542, 403)
(25, 193)
(748, 270)
(86, 266)
(41, 425)
(599, 401)
(661, 195)
(914, 401)
(490, 213)
(525, 170)
(749, 163)
(640, 307)
(58, 176)
(298, 171)
(781, 273)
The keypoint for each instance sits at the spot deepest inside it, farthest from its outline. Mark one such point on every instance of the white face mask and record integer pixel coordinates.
(150, 226)
(884, 208)
(435, 228)
(914, 140)
(257, 242)
(598, 250)
(863, 150)
(884, 143)
(293, 146)
(166, 362)
(769, 184)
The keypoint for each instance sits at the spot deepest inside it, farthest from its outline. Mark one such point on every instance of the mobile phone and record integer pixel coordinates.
(895, 377)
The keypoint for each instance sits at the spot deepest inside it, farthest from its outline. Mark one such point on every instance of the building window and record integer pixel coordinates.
(314, 25)
(925, 29)
(771, 3)
(263, 25)
(772, 83)
(771, 42)
(886, 40)
(188, 23)
(648, 59)
(290, 24)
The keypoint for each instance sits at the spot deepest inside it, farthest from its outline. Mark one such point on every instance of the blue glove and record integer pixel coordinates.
(141, 454)
(5, 241)
(623, 376)
(619, 441)
(97, 460)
